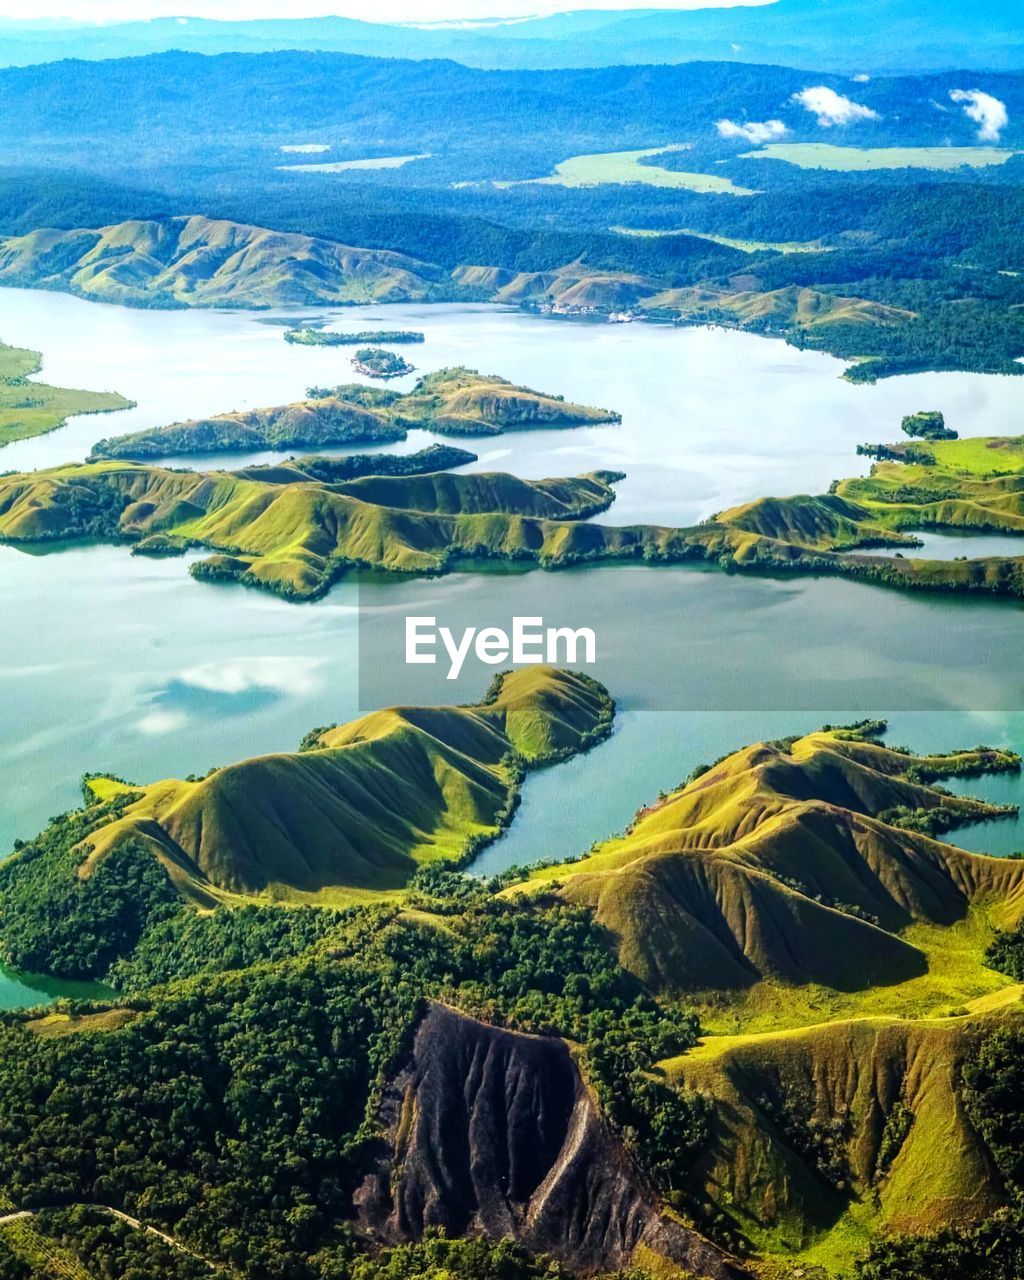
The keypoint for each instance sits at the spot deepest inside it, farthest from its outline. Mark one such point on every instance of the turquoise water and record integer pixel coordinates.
(26, 990)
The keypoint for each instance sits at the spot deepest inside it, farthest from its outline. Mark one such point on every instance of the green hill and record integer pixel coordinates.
(451, 401)
(298, 538)
(802, 876)
(829, 1135)
(205, 262)
(306, 424)
(351, 815)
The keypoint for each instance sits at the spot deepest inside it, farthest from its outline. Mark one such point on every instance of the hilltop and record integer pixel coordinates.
(456, 401)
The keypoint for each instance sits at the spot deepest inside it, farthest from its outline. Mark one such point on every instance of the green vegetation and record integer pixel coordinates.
(283, 1073)
(330, 338)
(707, 889)
(332, 470)
(295, 531)
(298, 537)
(29, 408)
(823, 155)
(309, 423)
(929, 425)
(994, 1248)
(204, 262)
(310, 826)
(375, 362)
(455, 401)
(629, 166)
(240, 1112)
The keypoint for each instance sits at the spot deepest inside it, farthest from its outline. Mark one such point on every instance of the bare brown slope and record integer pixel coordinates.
(782, 863)
(492, 1132)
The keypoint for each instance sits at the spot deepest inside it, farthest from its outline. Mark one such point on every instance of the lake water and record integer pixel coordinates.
(948, 545)
(128, 665)
(711, 417)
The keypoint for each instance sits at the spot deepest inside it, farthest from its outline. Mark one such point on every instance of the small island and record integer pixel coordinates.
(375, 362)
(928, 425)
(311, 337)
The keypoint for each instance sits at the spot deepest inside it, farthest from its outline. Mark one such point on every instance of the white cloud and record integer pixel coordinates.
(986, 111)
(162, 722)
(239, 675)
(752, 130)
(832, 108)
(863, 78)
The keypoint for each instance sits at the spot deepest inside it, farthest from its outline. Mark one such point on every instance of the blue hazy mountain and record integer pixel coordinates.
(863, 35)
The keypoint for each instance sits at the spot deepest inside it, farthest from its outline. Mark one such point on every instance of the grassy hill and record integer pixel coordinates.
(204, 262)
(803, 876)
(286, 531)
(850, 1083)
(297, 538)
(30, 408)
(975, 485)
(826, 1136)
(349, 817)
(456, 401)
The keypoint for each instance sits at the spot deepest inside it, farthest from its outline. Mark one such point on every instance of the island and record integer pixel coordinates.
(375, 362)
(783, 984)
(332, 470)
(29, 408)
(928, 425)
(456, 401)
(311, 337)
(288, 533)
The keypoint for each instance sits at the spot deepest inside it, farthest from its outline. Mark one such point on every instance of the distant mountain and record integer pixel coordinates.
(849, 35)
(460, 123)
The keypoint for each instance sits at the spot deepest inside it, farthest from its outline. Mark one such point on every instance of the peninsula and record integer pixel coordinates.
(29, 408)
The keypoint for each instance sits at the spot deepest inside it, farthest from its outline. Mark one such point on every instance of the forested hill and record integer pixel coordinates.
(869, 35)
(436, 107)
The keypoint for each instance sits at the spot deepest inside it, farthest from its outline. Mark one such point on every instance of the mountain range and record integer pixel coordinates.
(863, 35)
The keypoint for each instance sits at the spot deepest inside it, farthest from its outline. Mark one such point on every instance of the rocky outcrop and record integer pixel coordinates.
(492, 1132)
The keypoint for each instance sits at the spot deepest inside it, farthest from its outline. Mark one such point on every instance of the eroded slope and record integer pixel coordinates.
(493, 1132)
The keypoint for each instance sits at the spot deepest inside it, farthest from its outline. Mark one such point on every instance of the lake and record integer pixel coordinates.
(128, 665)
(711, 417)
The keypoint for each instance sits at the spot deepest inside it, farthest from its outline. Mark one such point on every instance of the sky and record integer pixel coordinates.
(372, 10)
